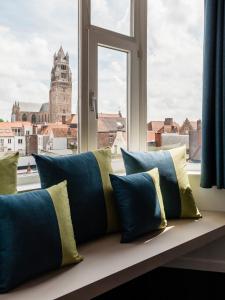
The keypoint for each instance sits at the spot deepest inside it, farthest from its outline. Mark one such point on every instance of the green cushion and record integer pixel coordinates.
(139, 202)
(176, 191)
(89, 189)
(8, 173)
(36, 234)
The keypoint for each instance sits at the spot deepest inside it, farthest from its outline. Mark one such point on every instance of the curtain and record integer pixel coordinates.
(213, 115)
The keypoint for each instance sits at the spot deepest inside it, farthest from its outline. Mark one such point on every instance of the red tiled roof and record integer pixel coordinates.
(57, 130)
(73, 119)
(14, 124)
(155, 125)
(111, 124)
(64, 132)
(6, 132)
(45, 130)
(106, 115)
(159, 126)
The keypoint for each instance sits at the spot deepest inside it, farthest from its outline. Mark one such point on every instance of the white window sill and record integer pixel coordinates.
(29, 182)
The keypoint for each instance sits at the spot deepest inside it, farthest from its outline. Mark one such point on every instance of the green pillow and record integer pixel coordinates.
(89, 190)
(8, 173)
(176, 191)
(139, 202)
(36, 234)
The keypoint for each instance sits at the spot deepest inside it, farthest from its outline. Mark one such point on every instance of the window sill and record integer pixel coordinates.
(29, 182)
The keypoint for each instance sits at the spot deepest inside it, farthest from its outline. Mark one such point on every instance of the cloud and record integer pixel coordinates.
(112, 15)
(175, 47)
(31, 31)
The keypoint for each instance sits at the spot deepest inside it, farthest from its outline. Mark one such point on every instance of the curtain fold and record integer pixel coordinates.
(213, 113)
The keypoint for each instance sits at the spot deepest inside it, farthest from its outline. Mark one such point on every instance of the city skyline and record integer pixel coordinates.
(174, 64)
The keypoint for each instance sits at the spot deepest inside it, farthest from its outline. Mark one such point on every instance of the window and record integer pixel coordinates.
(175, 50)
(114, 68)
(112, 99)
(63, 67)
(33, 44)
(9, 141)
(111, 46)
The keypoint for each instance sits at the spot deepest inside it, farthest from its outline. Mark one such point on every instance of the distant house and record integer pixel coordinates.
(112, 132)
(188, 126)
(195, 141)
(166, 126)
(58, 137)
(12, 136)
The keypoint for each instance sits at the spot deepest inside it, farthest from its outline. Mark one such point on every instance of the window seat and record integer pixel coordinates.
(108, 263)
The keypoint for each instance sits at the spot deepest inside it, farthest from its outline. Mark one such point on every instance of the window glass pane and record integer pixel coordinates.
(175, 50)
(111, 14)
(38, 78)
(112, 99)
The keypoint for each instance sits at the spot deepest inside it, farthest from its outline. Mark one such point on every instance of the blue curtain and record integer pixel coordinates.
(213, 119)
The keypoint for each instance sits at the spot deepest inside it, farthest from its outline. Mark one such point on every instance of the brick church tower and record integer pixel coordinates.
(60, 94)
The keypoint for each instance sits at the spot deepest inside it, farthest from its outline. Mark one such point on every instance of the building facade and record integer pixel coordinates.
(59, 107)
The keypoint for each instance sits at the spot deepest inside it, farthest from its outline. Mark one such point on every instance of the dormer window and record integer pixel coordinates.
(63, 67)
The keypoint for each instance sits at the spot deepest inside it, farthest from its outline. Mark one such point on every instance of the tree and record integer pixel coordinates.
(1, 120)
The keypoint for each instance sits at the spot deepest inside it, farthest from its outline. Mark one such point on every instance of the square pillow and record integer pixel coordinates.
(89, 189)
(176, 191)
(8, 173)
(139, 202)
(36, 235)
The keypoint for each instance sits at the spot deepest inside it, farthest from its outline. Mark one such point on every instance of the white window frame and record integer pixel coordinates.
(90, 37)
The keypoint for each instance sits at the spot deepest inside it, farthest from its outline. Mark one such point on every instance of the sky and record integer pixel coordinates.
(31, 31)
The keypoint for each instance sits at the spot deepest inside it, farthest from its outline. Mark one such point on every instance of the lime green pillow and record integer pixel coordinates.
(8, 173)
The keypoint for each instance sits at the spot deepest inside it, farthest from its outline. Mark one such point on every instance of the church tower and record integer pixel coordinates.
(60, 94)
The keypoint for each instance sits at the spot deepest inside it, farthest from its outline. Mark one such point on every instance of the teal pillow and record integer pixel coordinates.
(36, 235)
(8, 173)
(139, 202)
(89, 189)
(176, 191)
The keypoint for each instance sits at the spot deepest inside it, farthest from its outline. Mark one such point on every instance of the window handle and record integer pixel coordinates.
(93, 104)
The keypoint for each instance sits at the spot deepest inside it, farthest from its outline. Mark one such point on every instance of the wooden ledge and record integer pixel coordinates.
(108, 263)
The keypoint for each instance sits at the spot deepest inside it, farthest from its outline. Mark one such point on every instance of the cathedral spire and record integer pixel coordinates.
(61, 52)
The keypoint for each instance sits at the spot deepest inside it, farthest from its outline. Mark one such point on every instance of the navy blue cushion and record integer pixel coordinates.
(176, 191)
(89, 189)
(32, 235)
(139, 202)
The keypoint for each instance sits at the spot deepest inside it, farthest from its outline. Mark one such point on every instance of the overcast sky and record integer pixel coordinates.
(31, 31)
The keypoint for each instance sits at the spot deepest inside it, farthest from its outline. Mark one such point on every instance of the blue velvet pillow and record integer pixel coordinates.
(89, 189)
(176, 190)
(139, 202)
(36, 235)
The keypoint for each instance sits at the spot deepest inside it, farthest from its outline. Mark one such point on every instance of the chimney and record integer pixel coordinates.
(158, 139)
(168, 121)
(63, 119)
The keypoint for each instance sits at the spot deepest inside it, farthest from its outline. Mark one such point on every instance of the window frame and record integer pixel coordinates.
(90, 37)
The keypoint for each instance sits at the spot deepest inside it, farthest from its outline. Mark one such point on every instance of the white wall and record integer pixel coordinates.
(59, 143)
(20, 147)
